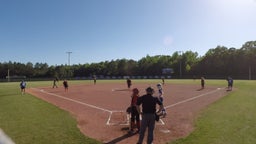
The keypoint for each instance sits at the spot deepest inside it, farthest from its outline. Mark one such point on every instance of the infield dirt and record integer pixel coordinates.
(100, 109)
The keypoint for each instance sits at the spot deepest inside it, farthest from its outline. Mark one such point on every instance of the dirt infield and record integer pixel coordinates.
(100, 109)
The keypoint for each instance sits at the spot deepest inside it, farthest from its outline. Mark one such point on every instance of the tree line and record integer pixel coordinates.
(219, 62)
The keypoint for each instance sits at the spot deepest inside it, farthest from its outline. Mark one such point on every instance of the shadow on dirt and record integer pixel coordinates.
(116, 140)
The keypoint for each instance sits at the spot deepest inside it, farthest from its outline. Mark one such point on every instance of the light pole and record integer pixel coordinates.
(69, 72)
(8, 75)
(250, 73)
(180, 53)
(69, 57)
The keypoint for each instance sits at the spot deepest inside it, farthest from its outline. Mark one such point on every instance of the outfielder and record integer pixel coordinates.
(23, 87)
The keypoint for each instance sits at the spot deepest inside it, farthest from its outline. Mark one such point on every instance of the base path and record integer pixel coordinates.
(100, 109)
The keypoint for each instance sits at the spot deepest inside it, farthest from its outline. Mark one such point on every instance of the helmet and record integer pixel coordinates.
(135, 91)
(159, 86)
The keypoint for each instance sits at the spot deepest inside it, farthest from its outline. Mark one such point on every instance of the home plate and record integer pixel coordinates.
(165, 131)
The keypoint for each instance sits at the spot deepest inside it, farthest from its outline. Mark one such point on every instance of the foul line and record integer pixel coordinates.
(85, 104)
(69, 99)
(111, 112)
(193, 98)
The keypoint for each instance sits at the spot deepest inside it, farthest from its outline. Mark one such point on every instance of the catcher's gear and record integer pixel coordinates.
(129, 110)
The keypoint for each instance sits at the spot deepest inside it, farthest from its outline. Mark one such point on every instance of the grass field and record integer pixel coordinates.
(231, 120)
(27, 119)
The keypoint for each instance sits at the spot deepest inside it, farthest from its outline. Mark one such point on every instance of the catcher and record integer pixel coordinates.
(135, 116)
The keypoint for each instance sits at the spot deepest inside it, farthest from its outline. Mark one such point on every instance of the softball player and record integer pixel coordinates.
(160, 96)
(135, 116)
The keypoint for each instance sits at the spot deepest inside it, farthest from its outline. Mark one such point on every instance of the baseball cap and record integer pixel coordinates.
(158, 84)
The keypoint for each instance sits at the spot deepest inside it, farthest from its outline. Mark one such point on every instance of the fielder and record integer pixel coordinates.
(161, 98)
(23, 87)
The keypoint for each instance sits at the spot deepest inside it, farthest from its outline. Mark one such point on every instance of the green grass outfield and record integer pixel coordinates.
(28, 120)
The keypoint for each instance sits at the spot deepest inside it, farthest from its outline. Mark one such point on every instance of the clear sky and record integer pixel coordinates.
(100, 30)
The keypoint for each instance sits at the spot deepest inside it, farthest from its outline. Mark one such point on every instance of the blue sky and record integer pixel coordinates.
(101, 30)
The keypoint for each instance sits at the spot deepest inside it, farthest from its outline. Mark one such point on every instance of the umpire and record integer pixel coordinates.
(148, 102)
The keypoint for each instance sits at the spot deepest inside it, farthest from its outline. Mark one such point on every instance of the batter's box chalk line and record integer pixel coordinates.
(115, 117)
(122, 118)
(120, 89)
(160, 122)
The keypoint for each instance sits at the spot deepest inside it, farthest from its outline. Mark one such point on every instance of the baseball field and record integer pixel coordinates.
(90, 113)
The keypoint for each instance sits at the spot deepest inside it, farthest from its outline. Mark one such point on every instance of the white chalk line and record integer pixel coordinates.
(193, 98)
(161, 122)
(75, 101)
(85, 104)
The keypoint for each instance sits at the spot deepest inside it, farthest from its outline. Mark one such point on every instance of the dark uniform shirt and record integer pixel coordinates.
(148, 103)
(65, 83)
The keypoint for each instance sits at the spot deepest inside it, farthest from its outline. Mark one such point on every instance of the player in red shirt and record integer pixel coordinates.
(135, 116)
(65, 84)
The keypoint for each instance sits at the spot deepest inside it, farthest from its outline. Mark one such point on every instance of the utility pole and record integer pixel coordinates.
(180, 52)
(68, 57)
(8, 75)
(250, 73)
(69, 72)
